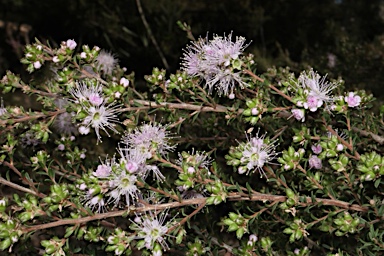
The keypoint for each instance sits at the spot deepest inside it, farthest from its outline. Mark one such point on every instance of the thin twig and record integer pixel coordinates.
(195, 201)
(375, 137)
(152, 104)
(18, 187)
(201, 206)
(150, 34)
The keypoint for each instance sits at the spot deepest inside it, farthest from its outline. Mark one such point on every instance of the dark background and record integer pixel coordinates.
(297, 33)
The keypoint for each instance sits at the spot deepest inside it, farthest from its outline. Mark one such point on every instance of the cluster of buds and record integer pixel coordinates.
(236, 223)
(194, 168)
(119, 242)
(296, 230)
(254, 110)
(371, 166)
(196, 248)
(218, 192)
(290, 158)
(9, 227)
(346, 223)
(179, 81)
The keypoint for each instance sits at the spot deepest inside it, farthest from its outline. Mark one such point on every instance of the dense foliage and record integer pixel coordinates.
(215, 158)
(128, 139)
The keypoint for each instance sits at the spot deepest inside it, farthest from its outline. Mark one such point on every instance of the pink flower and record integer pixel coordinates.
(95, 99)
(102, 171)
(37, 65)
(124, 82)
(217, 62)
(298, 114)
(352, 100)
(315, 162)
(255, 111)
(313, 103)
(317, 89)
(316, 149)
(71, 44)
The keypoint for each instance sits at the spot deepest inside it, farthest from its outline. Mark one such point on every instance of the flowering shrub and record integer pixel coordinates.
(215, 159)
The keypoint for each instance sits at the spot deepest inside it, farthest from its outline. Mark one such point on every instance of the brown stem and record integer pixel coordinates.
(140, 184)
(18, 187)
(270, 85)
(201, 206)
(317, 184)
(151, 104)
(375, 137)
(270, 172)
(196, 201)
(15, 170)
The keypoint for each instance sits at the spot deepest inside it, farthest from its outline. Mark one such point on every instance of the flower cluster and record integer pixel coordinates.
(312, 92)
(56, 182)
(153, 230)
(217, 61)
(106, 62)
(115, 180)
(252, 155)
(149, 139)
(93, 109)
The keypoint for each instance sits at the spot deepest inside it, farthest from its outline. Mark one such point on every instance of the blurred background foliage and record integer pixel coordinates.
(339, 37)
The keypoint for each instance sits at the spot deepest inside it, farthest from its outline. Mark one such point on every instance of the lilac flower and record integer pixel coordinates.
(331, 60)
(340, 134)
(148, 139)
(215, 62)
(312, 103)
(223, 50)
(316, 149)
(71, 44)
(84, 93)
(315, 162)
(340, 147)
(317, 90)
(352, 100)
(101, 117)
(63, 122)
(135, 163)
(224, 80)
(84, 130)
(189, 194)
(256, 153)
(298, 114)
(252, 240)
(106, 62)
(194, 62)
(104, 170)
(55, 59)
